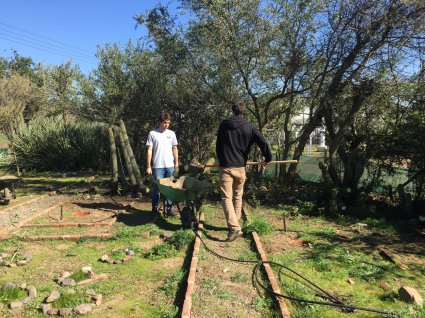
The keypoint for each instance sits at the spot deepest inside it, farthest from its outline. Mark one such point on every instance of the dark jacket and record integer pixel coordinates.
(234, 140)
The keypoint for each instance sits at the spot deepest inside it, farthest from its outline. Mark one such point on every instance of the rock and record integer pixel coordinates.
(65, 311)
(54, 295)
(350, 280)
(68, 282)
(104, 258)
(53, 312)
(22, 262)
(91, 292)
(167, 235)
(127, 258)
(410, 295)
(86, 269)
(384, 286)
(117, 261)
(4, 263)
(130, 253)
(83, 309)
(27, 300)
(65, 275)
(32, 292)
(45, 308)
(98, 299)
(27, 257)
(16, 305)
(9, 285)
(12, 265)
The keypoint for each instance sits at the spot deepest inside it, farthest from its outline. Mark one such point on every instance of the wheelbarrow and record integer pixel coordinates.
(7, 188)
(184, 189)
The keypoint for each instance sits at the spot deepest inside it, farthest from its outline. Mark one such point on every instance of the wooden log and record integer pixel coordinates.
(114, 163)
(134, 165)
(126, 157)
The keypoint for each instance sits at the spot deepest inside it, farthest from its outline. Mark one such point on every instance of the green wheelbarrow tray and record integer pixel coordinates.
(7, 187)
(9, 182)
(182, 189)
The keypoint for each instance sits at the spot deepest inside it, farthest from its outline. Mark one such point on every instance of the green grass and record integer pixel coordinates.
(259, 225)
(172, 283)
(79, 275)
(181, 239)
(70, 299)
(160, 251)
(11, 294)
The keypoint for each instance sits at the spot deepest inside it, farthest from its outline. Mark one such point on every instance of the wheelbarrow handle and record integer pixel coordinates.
(253, 163)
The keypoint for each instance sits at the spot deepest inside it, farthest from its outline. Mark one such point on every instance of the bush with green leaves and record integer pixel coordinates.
(259, 225)
(48, 144)
(181, 238)
(160, 251)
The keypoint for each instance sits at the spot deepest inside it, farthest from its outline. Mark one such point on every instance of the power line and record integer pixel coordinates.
(65, 55)
(43, 47)
(54, 46)
(46, 38)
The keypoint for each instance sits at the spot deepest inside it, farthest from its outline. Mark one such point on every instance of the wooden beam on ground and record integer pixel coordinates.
(187, 305)
(269, 272)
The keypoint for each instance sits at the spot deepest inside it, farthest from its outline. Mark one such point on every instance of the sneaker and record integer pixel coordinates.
(233, 235)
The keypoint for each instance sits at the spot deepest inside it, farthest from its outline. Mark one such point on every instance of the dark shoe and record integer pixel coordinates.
(155, 216)
(233, 235)
(172, 214)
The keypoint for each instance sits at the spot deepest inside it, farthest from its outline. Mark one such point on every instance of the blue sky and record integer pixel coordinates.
(54, 31)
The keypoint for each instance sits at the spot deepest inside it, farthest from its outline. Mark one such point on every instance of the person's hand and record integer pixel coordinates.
(149, 171)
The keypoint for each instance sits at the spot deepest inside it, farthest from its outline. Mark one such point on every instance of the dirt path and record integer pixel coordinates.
(225, 282)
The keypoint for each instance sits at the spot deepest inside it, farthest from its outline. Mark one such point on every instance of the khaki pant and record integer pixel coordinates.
(231, 189)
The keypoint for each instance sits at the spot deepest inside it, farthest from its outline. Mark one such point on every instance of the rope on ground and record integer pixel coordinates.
(256, 272)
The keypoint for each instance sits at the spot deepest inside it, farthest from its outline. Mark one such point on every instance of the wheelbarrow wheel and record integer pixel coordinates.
(187, 218)
(6, 196)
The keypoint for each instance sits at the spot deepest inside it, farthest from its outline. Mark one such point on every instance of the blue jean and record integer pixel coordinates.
(159, 173)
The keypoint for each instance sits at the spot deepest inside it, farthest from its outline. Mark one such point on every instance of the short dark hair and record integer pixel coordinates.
(164, 116)
(239, 108)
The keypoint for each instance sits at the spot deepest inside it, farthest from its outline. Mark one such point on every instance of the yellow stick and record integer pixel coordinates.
(253, 163)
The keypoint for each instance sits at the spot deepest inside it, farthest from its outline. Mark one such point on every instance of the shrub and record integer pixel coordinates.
(160, 251)
(258, 225)
(49, 144)
(181, 238)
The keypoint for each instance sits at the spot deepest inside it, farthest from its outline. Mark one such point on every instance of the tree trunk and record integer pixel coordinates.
(126, 186)
(114, 163)
(126, 158)
(130, 153)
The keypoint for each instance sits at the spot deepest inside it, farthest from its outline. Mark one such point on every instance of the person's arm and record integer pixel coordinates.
(263, 145)
(148, 160)
(176, 156)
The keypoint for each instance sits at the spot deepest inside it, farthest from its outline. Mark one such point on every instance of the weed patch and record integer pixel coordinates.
(70, 299)
(79, 275)
(160, 251)
(259, 225)
(7, 295)
(181, 238)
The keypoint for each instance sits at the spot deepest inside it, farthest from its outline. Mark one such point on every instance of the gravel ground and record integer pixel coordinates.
(10, 217)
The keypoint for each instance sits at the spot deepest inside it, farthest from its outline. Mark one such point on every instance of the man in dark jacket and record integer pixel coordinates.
(234, 140)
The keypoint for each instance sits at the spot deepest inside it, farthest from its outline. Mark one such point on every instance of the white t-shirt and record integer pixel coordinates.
(162, 147)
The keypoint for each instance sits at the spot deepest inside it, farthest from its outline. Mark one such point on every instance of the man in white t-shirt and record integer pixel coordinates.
(162, 152)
